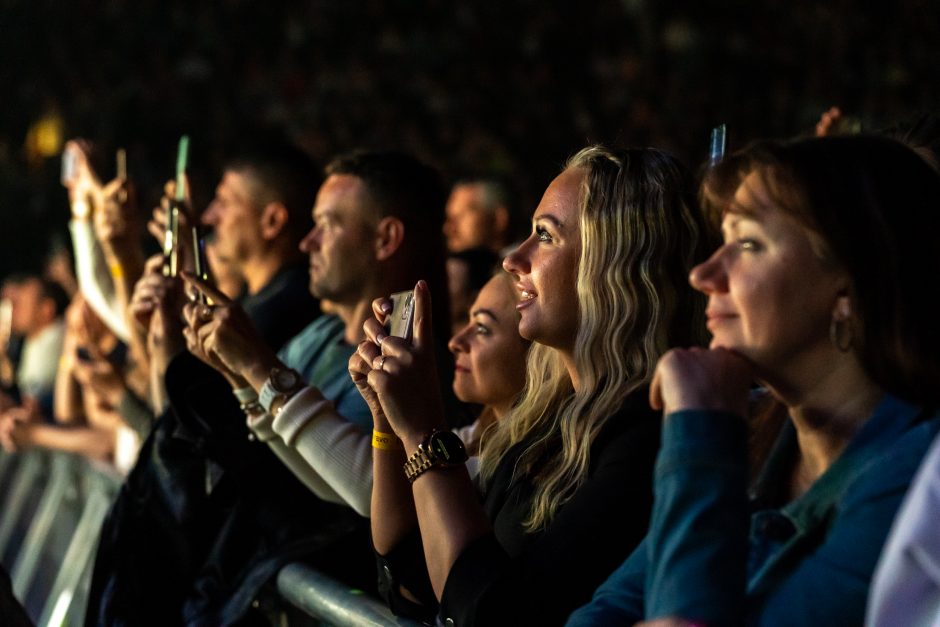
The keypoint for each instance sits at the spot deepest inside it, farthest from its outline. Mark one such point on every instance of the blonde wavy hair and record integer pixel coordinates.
(641, 233)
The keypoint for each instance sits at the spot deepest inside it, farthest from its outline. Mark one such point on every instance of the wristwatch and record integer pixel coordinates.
(440, 449)
(281, 385)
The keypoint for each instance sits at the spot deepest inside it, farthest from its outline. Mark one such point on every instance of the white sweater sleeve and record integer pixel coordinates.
(261, 426)
(94, 278)
(323, 447)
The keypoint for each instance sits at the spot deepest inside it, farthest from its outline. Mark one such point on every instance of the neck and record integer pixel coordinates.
(260, 269)
(353, 316)
(827, 405)
(568, 359)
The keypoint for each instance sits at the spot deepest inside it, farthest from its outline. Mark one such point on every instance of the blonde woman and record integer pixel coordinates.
(565, 476)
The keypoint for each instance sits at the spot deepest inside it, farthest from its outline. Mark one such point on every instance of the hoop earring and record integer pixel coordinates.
(841, 340)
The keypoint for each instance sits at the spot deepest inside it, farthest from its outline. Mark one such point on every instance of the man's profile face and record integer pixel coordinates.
(26, 299)
(234, 218)
(341, 245)
(469, 224)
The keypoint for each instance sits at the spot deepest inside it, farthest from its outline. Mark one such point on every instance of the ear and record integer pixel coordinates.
(842, 310)
(389, 235)
(274, 218)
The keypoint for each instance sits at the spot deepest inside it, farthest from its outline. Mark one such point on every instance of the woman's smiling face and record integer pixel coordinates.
(546, 266)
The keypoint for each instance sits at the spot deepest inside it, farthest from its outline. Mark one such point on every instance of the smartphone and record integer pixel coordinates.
(403, 312)
(69, 165)
(6, 322)
(716, 151)
(121, 162)
(202, 262)
(171, 241)
(171, 235)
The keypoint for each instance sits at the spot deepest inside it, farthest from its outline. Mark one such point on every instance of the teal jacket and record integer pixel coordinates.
(718, 555)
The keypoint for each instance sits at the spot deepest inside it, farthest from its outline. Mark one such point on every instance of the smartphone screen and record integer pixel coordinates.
(202, 262)
(69, 165)
(403, 310)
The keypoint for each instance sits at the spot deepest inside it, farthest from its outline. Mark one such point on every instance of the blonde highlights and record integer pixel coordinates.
(641, 233)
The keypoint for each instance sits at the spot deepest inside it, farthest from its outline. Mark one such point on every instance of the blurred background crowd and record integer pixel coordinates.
(513, 87)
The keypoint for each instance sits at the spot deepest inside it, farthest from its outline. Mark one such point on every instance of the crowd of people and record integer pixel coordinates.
(664, 402)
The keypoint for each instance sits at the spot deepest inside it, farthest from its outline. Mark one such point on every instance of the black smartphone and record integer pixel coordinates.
(202, 262)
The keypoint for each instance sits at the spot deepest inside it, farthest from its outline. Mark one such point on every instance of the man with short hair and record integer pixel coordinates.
(377, 231)
(259, 214)
(479, 213)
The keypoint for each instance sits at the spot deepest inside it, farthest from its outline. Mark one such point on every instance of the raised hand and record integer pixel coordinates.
(404, 374)
(222, 335)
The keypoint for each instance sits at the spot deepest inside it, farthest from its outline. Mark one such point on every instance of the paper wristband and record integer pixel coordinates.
(385, 441)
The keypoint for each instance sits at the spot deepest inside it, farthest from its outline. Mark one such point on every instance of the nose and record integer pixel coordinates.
(710, 276)
(517, 262)
(211, 215)
(458, 343)
(310, 242)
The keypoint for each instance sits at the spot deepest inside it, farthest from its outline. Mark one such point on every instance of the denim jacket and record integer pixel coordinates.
(717, 555)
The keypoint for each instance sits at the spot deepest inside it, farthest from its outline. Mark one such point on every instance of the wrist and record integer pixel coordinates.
(256, 373)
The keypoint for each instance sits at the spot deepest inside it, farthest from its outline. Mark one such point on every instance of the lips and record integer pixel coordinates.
(526, 296)
(715, 317)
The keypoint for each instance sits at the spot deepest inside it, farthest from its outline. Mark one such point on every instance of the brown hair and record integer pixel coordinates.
(872, 206)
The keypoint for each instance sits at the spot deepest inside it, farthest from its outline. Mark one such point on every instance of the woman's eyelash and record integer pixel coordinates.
(543, 234)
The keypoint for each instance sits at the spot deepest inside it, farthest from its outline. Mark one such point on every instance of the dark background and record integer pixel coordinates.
(511, 86)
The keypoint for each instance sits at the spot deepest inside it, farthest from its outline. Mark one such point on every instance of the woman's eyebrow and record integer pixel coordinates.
(484, 312)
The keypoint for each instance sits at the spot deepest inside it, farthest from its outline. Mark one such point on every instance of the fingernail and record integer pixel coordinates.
(380, 338)
(421, 285)
(386, 307)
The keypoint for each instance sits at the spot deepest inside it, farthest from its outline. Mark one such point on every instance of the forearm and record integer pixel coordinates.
(301, 469)
(91, 442)
(393, 506)
(698, 540)
(334, 449)
(67, 402)
(449, 515)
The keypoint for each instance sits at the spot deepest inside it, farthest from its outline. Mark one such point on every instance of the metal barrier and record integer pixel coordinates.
(52, 506)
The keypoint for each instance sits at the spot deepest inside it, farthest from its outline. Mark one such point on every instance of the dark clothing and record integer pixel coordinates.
(283, 307)
(12, 613)
(207, 516)
(713, 557)
(510, 577)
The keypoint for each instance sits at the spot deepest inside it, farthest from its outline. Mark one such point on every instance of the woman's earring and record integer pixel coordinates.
(840, 334)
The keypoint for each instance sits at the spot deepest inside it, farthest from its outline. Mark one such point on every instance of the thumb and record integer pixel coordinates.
(422, 329)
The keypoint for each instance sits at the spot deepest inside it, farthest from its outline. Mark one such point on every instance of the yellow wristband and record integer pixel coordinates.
(117, 271)
(385, 441)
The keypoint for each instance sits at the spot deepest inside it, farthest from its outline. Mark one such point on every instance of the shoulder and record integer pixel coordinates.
(891, 471)
(318, 332)
(629, 435)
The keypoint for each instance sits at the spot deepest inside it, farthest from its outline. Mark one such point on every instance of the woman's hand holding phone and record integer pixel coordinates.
(403, 373)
